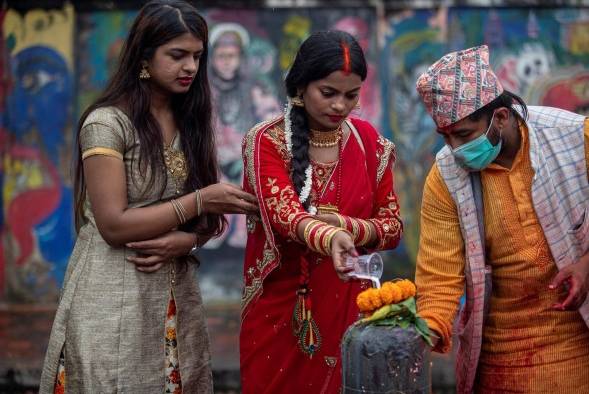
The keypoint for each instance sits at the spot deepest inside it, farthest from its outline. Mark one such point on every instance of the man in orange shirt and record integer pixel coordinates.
(504, 219)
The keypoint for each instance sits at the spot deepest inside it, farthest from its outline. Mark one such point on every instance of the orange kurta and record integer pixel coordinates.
(527, 346)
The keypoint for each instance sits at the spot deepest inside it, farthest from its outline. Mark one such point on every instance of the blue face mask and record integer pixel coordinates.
(477, 154)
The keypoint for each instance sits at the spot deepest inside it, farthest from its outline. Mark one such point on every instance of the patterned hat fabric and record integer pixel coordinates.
(458, 84)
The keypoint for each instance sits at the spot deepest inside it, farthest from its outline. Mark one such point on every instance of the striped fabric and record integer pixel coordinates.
(560, 192)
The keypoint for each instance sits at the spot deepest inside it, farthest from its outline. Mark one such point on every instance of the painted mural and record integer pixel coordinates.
(35, 130)
(49, 75)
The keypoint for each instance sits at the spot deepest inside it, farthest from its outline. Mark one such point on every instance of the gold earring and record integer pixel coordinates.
(144, 74)
(298, 101)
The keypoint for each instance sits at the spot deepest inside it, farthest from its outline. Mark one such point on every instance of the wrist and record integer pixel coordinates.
(201, 199)
(194, 246)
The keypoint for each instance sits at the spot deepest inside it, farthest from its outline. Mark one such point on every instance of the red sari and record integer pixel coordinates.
(360, 184)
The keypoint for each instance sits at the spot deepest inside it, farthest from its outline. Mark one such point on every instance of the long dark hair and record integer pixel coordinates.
(319, 55)
(158, 22)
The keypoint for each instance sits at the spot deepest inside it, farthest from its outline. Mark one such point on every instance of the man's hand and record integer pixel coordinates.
(575, 278)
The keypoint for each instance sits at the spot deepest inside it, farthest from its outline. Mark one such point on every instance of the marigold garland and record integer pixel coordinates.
(390, 293)
(393, 305)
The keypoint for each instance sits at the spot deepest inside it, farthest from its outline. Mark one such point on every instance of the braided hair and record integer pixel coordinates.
(321, 54)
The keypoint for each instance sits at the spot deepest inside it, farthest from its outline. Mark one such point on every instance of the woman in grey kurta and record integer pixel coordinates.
(130, 316)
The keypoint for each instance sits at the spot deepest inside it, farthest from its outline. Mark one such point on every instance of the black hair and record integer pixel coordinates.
(505, 99)
(321, 54)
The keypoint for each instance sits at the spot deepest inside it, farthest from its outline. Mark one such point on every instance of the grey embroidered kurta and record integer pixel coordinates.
(111, 317)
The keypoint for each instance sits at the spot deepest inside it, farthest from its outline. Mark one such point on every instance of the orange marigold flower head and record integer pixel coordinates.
(363, 302)
(391, 293)
(407, 287)
(375, 299)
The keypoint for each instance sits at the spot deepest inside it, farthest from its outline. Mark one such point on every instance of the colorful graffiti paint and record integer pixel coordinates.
(37, 232)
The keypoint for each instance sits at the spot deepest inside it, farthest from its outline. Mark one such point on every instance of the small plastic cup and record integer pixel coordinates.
(367, 266)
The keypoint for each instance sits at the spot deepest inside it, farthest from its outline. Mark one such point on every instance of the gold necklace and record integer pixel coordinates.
(325, 139)
(176, 164)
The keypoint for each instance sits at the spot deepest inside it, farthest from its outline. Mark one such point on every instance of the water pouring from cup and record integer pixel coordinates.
(367, 266)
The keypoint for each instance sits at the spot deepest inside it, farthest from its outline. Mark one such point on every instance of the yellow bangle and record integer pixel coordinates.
(317, 238)
(329, 238)
(340, 219)
(355, 229)
(367, 232)
(307, 231)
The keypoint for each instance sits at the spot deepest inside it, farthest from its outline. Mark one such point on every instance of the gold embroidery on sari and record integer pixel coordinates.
(248, 151)
(255, 282)
(282, 207)
(384, 152)
(387, 219)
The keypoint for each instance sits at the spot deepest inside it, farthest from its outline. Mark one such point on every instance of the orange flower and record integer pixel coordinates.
(363, 302)
(391, 293)
(407, 287)
(375, 300)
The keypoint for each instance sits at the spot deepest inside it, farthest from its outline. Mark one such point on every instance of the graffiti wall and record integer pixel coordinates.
(48, 75)
(35, 134)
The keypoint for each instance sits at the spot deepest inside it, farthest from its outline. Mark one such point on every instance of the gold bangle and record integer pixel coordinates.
(198, 199)
(340, 219)
(317, 237)
(307, 230)
(367, 232)
(183, 210)
(330, 238)
(179, 214)
(355, 229)
(327, 240)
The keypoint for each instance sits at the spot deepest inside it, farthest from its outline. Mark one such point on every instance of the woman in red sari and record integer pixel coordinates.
(324, 184)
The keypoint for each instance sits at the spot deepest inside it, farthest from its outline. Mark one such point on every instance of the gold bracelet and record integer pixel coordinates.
(355, 229)
(317, 238)
(330, 238)
(327, 240)
(183, 210)
(340, 219)
(198, 199)
(179, 215)
(367, 232)
(307, 230)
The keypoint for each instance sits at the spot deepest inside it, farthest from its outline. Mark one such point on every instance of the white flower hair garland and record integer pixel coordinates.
(306, 190)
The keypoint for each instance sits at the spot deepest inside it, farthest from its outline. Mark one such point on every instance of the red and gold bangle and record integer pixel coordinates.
(326, 241)
(330, 238)
(318, 237)
(307, 232)
(379, 231)
(367, 232)
(341, 219)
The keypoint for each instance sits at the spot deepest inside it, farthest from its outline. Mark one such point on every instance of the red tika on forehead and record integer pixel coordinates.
(347, 68)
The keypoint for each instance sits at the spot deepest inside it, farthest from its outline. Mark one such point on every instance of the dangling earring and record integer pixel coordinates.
(357, 106)
(144, 74)
(298, 101)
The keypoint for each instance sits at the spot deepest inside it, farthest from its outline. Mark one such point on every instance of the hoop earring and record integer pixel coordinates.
(298, 101)
(144, 74)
